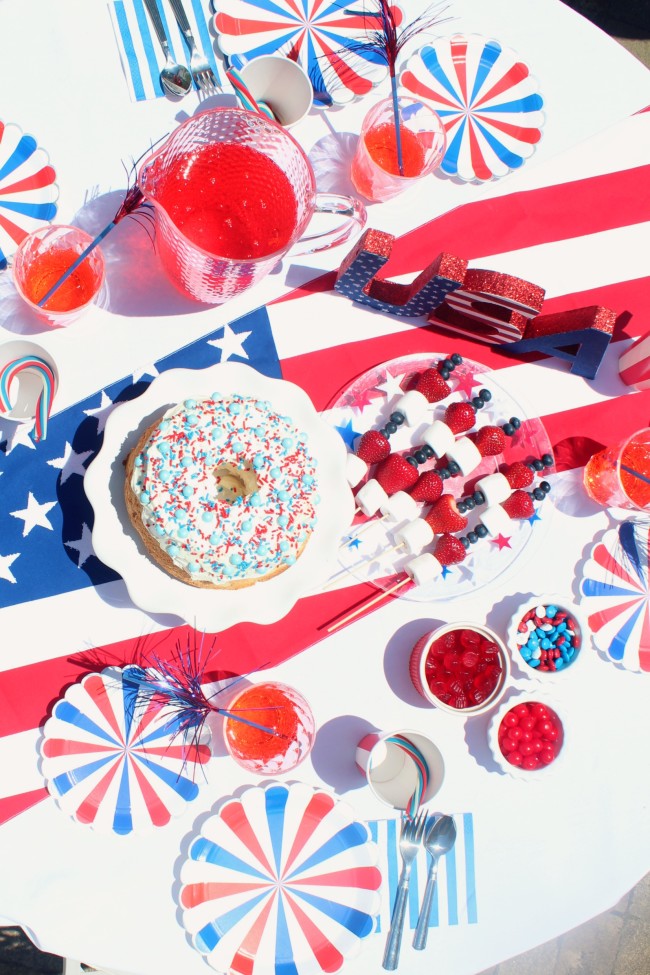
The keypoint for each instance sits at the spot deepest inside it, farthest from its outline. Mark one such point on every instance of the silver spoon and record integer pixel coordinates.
(438, 841)
(175, 78)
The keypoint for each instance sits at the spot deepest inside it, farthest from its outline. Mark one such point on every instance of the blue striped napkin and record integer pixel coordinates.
(140, 52)
(454, 899)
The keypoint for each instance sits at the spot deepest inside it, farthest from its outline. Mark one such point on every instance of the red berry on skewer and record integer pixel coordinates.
(431, 384)
(396, 474)
(519, 475)
(519, 505)
(428, 487)
(373, 447)
(444, 516)
(490, 440)
(460, 417)
(449, 550)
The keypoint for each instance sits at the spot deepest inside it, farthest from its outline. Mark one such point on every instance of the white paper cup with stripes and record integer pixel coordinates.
(404, 768)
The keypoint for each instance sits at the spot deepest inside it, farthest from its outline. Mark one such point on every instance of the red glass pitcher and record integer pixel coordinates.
(233, 193)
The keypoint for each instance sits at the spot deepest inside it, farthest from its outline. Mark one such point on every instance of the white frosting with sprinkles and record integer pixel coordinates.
(227, 488)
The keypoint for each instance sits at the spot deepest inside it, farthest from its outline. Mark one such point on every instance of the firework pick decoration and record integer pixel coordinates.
(133, 202)
(386, 40)
(179, 682)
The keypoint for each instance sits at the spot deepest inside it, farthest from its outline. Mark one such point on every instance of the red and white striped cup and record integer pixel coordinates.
(390, 771)
(634, 364)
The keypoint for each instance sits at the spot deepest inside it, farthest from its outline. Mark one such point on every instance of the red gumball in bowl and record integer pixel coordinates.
(526, 737)
(461, 668)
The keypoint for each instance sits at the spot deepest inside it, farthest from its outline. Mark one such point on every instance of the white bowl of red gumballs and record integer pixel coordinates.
(526, 737)
(461, 668)
(545, 637)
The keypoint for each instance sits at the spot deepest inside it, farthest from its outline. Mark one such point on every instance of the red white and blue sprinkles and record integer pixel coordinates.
(218, 533)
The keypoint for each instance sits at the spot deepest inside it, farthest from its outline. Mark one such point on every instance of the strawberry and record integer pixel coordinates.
(489, 440)
(445, 516)
(396, 474)
(519, 505)
(431, 384)
(373, 447)
(449, 550)
(428, 487)
(519, 475)
(460, 417)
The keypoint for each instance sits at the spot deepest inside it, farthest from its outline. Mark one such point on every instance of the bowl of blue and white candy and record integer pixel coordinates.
(546, 637)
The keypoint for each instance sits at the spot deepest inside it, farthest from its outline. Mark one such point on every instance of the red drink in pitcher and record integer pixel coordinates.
(232, 192)
(231, 200)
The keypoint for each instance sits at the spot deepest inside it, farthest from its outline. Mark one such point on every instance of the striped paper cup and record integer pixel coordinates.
(404, 769)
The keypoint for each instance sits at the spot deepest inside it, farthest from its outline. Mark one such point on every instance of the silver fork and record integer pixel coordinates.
(410, 842)
(202, 73)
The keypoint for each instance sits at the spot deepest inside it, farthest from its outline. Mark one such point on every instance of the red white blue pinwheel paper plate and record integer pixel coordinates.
(614, 595)
(490, 105)
(115, 760)
(281, 879)
(28, 191)
(328, 39)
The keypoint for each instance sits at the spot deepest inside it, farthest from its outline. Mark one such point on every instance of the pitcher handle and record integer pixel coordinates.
(345, 206)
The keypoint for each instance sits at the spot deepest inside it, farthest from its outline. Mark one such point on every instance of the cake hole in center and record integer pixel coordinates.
(234, 482)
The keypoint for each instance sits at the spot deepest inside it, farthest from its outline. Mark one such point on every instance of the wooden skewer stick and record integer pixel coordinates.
(357, 565)
(367, 605)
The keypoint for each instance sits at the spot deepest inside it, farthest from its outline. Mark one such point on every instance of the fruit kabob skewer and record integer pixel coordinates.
(451, 550)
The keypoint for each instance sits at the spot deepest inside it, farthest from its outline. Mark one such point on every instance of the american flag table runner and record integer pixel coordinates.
(79, 618)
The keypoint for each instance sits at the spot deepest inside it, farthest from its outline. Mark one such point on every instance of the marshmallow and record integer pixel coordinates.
(439, 437)
(413, 405)
(496, 520)
(415, 535)
(466, 454)
(355, 469)
(399, 507)
(495, 487)
(370, 497)
(425, 568)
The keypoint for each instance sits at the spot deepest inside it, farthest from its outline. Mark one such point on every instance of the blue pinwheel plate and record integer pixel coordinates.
(115, 759)
(330, 40)
(487, 99)
(28, 190)
(283, 872)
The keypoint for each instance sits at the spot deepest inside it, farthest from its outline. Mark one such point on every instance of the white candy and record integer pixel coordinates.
(425, 568)
(355, 469)
(413, 405)
(414, 536)
(399, 507)
(496, 520)
(466, 454)
(495, 487)
(439, 437)
(370, 497)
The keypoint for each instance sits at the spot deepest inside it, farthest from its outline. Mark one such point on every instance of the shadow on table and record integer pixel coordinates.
(627, 18)
(136, 283)
(334, 751)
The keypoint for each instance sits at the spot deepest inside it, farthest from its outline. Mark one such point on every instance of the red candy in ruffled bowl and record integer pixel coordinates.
(526, 736)
(462, 668)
